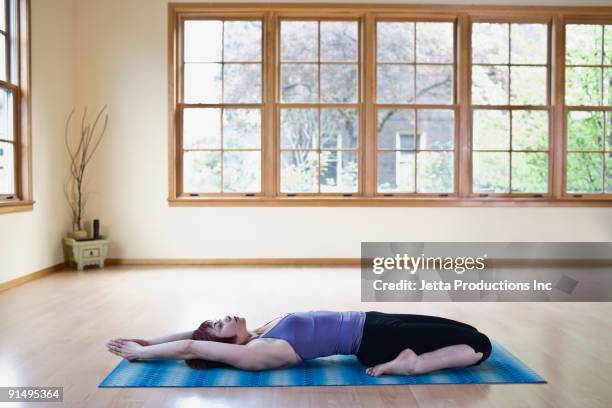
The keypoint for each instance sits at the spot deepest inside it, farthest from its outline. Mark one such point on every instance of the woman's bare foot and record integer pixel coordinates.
(408, 363)
(404, 364)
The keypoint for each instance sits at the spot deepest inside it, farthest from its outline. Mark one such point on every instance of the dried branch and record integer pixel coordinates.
(80, 156)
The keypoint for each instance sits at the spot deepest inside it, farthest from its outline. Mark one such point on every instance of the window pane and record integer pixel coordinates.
(583, 86)
(242, 83)
(338, 171)
(490, 43)
(528, 44)
(529, 172)
(299, 41)
(6, 116)
(392, 123)
(609, 131)
(424, 81)
(491, 130)
(299, 129)
(202, 83)
(608, 45)
(2, 15)
(201, 128)
(491, 172)
(395, 42)
(607, 88)
(583, 44)
(299, 171)
(339, 41)
(528, 85)
(202, 172)
(584, 172)
(434, 42)
(241, 128)
(206, 131)
(242, 172)
(299, 83)
(242, 41)
(436, 129)
(339, 129)
(585, 130)
(7, 168)
(529, 130)
(396, 171)
(395, 84)
(339, 83)
(434, 172)
(434, 84)
(513, 44)
(608, 172)
(3, 59)
(489, 85)
(203, 40)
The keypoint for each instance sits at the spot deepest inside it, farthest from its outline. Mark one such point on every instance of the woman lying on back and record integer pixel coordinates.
(402, 344)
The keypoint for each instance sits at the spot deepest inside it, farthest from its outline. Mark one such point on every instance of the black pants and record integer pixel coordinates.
(386, 335)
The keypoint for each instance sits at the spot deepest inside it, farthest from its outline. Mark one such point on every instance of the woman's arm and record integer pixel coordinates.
(164, 339)
(244, 357)
(175, 350)
(171, 337)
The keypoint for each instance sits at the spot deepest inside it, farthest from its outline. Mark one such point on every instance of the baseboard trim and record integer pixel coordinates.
(492, 262)
(237, 261)
(31, 276)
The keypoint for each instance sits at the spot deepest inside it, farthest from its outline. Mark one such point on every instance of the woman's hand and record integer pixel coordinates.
(125, 348)
(139, 341)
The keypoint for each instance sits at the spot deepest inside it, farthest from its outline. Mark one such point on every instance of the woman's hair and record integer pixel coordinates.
(204, 332)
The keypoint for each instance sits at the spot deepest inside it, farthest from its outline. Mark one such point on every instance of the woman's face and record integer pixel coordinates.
(231, 326)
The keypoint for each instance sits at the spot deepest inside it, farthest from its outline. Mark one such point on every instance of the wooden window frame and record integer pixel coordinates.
(416, 106)
(547, 107)
(318, 105)
(18, 83)
(368, 15)
(578, 19)
(222, 105)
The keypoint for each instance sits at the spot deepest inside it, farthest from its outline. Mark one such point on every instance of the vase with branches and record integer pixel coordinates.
(81, 147)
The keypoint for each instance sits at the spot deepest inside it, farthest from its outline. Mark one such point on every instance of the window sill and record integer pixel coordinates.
(384, 202)
(15, 206)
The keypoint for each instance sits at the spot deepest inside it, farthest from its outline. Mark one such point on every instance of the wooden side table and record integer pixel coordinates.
(82, 253)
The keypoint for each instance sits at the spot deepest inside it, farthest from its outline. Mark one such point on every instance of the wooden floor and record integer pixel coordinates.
(53, 331)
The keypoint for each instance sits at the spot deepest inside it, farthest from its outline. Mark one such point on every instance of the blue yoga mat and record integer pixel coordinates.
(500, 368)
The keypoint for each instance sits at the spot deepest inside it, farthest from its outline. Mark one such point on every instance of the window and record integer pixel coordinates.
(222, 106)
(319, 107)
(588, 97)
(510, 128)
(415, 142)
(396, 105)
(15, 186)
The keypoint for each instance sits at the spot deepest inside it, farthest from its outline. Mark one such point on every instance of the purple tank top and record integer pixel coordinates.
(320, 333)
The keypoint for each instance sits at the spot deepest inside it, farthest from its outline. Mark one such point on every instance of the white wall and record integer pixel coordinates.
(122, 61)
(113, 52)
(30, 241)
